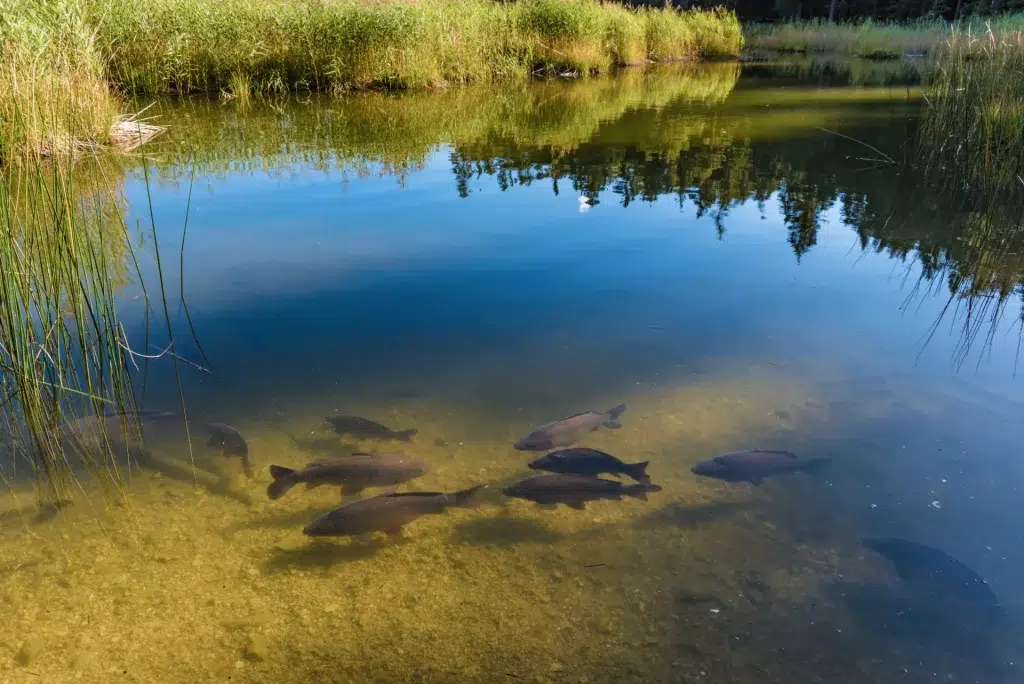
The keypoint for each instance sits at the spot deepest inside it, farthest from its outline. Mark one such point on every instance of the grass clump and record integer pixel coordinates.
(53, 94)
(676, 35)
(972, 130)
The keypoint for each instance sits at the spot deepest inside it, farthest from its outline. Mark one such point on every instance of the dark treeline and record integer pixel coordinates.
(846, 10)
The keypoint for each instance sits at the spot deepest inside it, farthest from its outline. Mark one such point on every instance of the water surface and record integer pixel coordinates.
(741, 255)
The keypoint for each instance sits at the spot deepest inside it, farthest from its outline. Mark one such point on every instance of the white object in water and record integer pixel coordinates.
(584, 204)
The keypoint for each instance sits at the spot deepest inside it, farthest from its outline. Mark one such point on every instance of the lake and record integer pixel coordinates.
(742, 254)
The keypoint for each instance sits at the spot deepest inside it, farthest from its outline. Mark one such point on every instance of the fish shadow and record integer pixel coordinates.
(502, 531)
(322, 554)
(886, 609)
(278, 521)
(202, 473)
(681, 515)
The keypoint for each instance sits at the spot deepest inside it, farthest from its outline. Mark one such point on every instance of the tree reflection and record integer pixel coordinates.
(965, 248)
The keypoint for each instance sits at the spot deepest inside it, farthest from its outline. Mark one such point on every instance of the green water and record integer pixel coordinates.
(742, 255)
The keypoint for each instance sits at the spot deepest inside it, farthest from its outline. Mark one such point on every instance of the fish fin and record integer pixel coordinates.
(815, 465)
(405, 435)
(612, 424)
(284, 479)
(577, 505)
(640, 491)
(463, 498)
(638, 471)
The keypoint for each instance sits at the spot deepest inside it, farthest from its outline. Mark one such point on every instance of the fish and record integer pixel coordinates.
(358, 426)
(386, 512)
(231, 443)
(755, 465)
(575, 490)
(355, 473)
(933, 571)
(568, 431)
(583, 461)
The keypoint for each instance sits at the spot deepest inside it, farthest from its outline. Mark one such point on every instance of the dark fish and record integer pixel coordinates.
(231, 443)
(583, 461)
(568, 431)
(386, 513)
(933, 571)
(355, 473)
(364, 427)
(755, 465)
(575, 490)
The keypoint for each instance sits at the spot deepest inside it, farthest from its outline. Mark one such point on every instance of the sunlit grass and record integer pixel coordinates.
(190, 45)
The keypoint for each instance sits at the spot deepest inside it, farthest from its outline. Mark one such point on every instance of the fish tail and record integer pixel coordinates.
(638, 471)
(284, 479)
(612, 417)
(464, 498)
(815, 465)
(405, 435)
(640, 491)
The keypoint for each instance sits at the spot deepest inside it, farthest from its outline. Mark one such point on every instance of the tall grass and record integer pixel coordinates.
(64, 63)
(971, 146)
(63, 254)
(870, 39)
(53, 90)
(284, 45)
(972, 130)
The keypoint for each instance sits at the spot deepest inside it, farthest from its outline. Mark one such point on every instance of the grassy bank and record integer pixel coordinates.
(66, 65)
(873, 40)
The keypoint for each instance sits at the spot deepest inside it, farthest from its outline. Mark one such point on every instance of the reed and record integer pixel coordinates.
(871, 39)
(65, 65)
(288, 45)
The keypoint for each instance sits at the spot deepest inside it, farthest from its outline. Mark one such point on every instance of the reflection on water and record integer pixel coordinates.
(727, 253)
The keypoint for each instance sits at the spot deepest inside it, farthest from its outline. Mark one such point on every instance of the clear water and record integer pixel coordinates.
(709, 245)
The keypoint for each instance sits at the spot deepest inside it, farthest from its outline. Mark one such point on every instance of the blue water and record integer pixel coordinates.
(478, 310)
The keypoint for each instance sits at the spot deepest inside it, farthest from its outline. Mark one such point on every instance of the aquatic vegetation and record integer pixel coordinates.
(63, 255)
(870, 39)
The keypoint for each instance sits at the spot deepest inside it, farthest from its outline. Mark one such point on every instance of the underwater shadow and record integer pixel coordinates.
(279, 521)
(502, 531)
(682, 515)
(325, 554)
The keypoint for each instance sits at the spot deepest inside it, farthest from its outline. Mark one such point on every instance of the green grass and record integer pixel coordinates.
(67, 65)
(873, 40)
(63, 254)
(972, 128)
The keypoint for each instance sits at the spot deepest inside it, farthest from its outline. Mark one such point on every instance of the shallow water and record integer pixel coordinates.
(726, 251)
